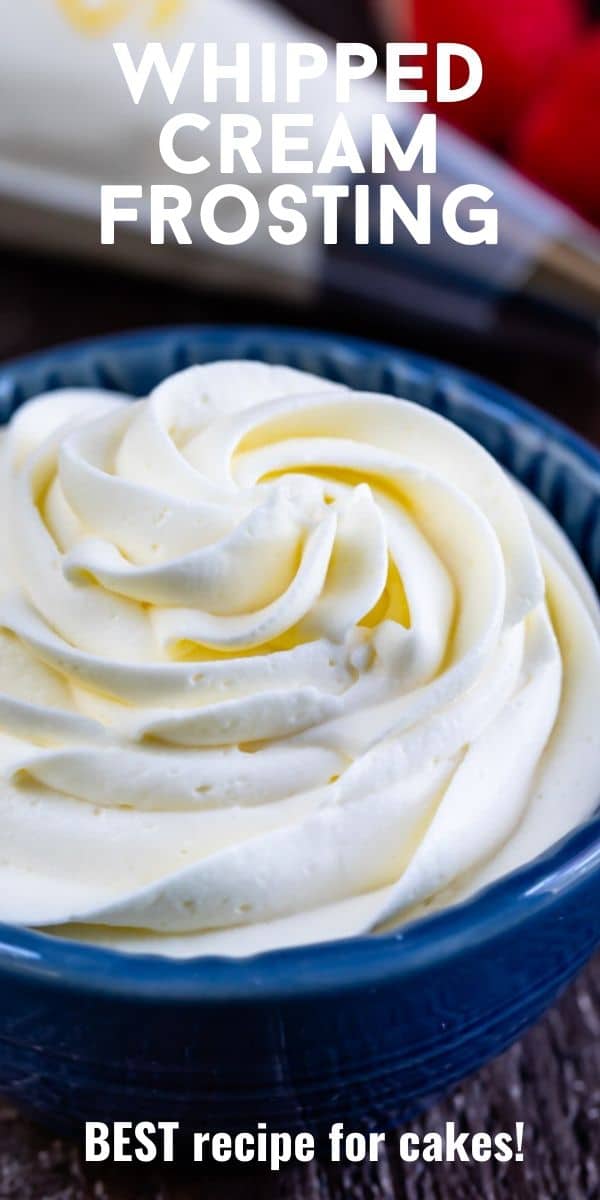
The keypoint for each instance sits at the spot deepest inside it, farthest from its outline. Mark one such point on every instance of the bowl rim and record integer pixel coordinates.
(349, 963)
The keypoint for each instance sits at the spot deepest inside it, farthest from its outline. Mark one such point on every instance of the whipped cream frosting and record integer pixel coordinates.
(279, 662)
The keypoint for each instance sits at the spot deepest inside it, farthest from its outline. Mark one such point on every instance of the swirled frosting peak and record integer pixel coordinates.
(279, 662)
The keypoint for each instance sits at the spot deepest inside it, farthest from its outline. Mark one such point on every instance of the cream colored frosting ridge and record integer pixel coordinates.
(279, 662)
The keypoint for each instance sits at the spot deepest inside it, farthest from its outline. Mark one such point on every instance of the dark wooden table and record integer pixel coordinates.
(550, 1079)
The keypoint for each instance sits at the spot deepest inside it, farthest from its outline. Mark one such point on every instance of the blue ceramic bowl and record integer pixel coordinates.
(364, 1030)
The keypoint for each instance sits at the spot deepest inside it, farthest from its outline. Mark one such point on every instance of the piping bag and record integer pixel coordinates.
(68, 125)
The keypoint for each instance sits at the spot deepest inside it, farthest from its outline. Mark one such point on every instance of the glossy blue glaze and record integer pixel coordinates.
(365, 1030)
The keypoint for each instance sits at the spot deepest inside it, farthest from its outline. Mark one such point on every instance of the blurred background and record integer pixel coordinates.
(528, 318)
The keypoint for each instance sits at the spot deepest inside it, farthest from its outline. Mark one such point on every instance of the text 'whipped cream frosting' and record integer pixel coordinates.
(279, 662)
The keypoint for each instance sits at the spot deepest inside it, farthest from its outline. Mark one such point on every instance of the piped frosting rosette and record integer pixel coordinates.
(279, 662)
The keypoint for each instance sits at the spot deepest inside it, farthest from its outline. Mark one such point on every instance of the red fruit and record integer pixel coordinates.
(558, 142)
(520, 42)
